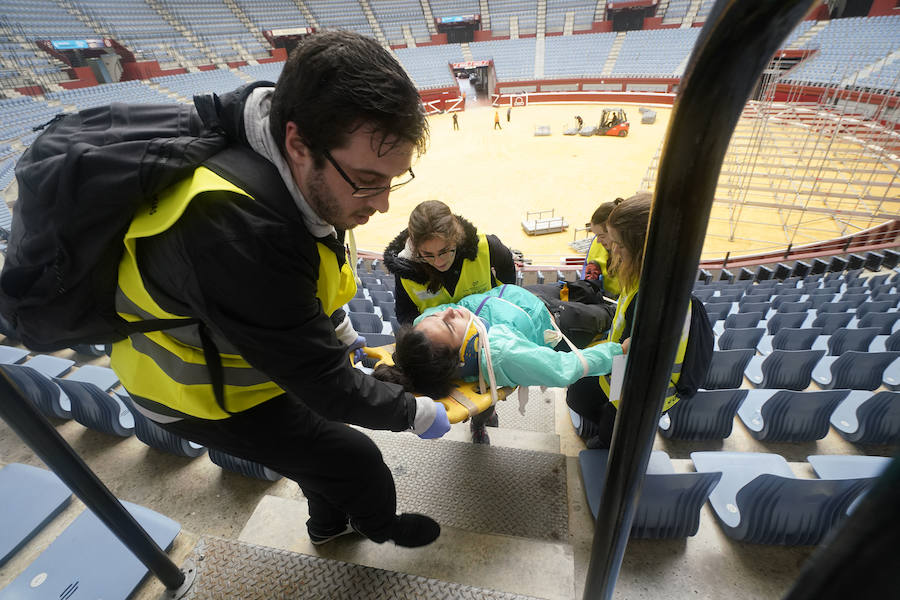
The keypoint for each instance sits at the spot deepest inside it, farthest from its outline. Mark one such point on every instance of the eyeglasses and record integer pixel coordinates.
(365, 192)
(434, 257)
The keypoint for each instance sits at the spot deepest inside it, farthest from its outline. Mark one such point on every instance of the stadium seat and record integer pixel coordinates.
(834, 307)
(361, 305)
(740, 338)
(387, 310)
(31, 498)
(866, 418)
(670, 502)
(853, 299)
(855, 261)
(837, 264)
(795, 307)
(885, 321)
(818, 267)
(801, 269)
(789, 338)
(857, 339)
(726, 371)
(783, 369)
(787, 415)
(782, 271)
(782, 320)
(891, 259)
(873, 261)
(831, 322)
(707, 415)
(243, 467)
(755, 297)
(759, 500)
(780, 299)
(873, 307)
(704, 294)
(155, 436)
(365, 323)
(763, 273)
(817, 300)
(92, 406)
(379, 297)
(750, 307)
(718, 310)
(743, 320)
(745, 274)
(854, 370)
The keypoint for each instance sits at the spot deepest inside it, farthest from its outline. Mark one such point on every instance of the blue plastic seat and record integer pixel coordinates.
(92, 406)
(31, 498)
(783, 369)
(156, 437)
(777, 301)
(726, 370)
(789, 338)
(10, 355)
(387, 310)
(818, 300)
(376, 287)
(885, 321)
(750, 299)
(831, 322)
(241, 466)
(854, 299)
(844, 466)
(854, 370)
(856, 339)
(361, 305)
(867, 418)
(728, 296)
(92, 558)
(373, 340)
(740, 338)
(743, 320)
(787, 415)
(789, 320)
(795, 307)
(752, 307)
(707, 415)
(834, 307)
(718, 311)
(366, 322)
(670, 502)
(873, 307)
(379, 297)
(704, 294)
(760, 501)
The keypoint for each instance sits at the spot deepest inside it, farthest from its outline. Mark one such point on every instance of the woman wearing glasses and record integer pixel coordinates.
(441, 258)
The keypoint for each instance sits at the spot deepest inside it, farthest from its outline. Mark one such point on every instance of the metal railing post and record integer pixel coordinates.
(737, 42)
(50, 447)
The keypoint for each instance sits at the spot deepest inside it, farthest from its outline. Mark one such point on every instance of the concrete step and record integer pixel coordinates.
(458, 556)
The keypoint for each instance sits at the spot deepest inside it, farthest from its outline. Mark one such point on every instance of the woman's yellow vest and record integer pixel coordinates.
(600, 254)
(474, 278)
(168, 367)
(616, 333)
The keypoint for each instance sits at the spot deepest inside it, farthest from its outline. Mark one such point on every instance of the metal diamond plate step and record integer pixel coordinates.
(232, 569)
(539, 413)
(486, 489)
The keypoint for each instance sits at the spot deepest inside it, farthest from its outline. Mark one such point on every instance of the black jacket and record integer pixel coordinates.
(248, 269)
(502, 265)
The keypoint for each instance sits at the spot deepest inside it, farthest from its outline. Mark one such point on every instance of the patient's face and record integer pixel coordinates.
(447, 327)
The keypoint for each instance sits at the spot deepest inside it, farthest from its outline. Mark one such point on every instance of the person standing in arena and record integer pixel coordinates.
(439, 258)
(497, 120)
(252, 251)
(455, 122)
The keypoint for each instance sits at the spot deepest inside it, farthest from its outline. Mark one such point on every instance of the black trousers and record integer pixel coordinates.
(340, 470)
(588, 399)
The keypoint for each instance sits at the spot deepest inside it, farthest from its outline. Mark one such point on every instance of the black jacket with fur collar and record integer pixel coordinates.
(502, 267)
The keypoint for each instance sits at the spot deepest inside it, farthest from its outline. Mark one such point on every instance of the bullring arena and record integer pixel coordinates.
(805, 219)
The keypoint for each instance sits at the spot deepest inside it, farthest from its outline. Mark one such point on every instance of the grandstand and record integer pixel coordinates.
(800, 274)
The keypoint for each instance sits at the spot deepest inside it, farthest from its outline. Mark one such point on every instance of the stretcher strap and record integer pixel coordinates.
(483, 337)
(462, 399)
(575, 351)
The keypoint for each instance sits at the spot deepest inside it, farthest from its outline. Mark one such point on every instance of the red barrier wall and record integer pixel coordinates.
(83, 77)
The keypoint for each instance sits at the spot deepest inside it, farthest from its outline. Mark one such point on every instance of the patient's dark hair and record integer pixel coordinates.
(421, 366)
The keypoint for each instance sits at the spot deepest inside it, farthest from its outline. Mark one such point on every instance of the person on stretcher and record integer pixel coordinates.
(505, 336)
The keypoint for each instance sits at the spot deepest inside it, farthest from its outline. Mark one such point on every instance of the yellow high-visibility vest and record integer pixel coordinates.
(474, 278)
(600, 254)
(616, 333)
(168, 367)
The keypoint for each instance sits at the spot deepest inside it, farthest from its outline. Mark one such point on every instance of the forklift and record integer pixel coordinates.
(614, 122)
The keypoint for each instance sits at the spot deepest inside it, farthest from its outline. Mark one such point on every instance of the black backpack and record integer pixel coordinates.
(80, 183)
(699, 351)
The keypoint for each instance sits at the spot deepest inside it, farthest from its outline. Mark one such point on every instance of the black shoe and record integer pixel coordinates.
(588, 429)
(413, 530)
(480, 436)
(317, 536)
(493, 420)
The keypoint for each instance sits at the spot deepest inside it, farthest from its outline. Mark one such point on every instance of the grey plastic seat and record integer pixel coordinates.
(387, 310)
(854, 370)
(787, 415)
(760, 501)
(243, 467)
(834, 307)
(10, 355)
(782, 320)
(783, 369)
(728, 296)
(92, 406)
(885, 321)
(743, 320)
(35, 380)
(780, 299)
(857, 339)
(751, 307)
(374, 340)
(670, 502)
(795, 307)
(867, 418)
(831, 322)
(818, 300)
(881, 290)
(726, 370)
(856, 289)
(31, 498)
(854, 299)
(379, 297)
(876, 280)
(704, 294)
(156, 437)
(844, 466)
(789, 338)
(740, 338)
(376, 287)
(707, 415)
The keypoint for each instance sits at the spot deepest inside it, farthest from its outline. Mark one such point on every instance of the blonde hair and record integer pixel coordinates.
(630, 218)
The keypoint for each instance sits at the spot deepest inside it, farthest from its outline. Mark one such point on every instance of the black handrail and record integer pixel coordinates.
(50, 447)
(737, 42)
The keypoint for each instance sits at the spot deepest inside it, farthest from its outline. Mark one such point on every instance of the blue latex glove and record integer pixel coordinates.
(357, 349)
(439, 426)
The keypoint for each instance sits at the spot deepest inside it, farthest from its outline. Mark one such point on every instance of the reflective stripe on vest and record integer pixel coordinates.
(475, 278)
(169, 367)
(600, 254)
(618, 330)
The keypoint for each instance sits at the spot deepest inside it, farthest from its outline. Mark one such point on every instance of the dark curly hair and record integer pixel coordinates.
(420, 365)
(337, 81)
